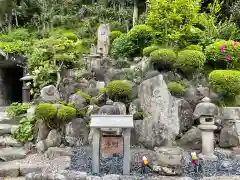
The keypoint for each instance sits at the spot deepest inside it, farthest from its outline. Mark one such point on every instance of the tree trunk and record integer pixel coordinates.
(135, 12)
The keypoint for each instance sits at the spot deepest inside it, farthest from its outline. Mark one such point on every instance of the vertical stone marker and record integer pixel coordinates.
(111, 121)
(103, 39)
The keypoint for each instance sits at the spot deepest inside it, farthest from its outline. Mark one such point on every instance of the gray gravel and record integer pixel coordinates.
(225, 166)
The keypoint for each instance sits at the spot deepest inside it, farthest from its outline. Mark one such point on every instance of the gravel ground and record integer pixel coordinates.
(225, 166)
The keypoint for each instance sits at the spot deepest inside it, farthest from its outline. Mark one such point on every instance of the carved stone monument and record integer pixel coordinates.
(103, 39)
(206, 112)
(111, 121)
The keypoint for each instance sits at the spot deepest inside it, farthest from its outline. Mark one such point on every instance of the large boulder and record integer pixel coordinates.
(78, 100)
(228, 137)
(185, 116)
(76, 132)
(49, 94)
(121, 106)
(161, 124)
(42, 130)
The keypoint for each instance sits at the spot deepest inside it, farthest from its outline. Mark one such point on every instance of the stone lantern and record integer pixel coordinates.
(26, 96)
(206, 112)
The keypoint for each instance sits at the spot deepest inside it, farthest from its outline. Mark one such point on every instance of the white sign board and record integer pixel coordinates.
(111, 121)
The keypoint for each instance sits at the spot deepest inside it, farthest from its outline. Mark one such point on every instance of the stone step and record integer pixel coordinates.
(7, 129)
(14, 178)
(10, 154)
(16, 169)
(9, 141)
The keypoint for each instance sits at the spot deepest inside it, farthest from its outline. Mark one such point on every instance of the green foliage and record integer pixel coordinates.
(119, 90)
(45, 112)
(93, 100)
(120, 63)
(17, 109)
(81, 113)
(147, 50)
(163, 58)
(102, 90)
(65, 113)
(138, 115)
(175, 88)
(141, 35)
(25, 130)
(172, 18)
(225, 82)
(217, 59)
(71, 36)
(114, 35)
(84, 95)
(194, 47)
(188, 61)
(123, 47)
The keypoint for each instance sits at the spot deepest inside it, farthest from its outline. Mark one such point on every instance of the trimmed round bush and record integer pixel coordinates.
(123, 47)
(225, 82)
(188, 61)
(175, 88)
(114, 35)
(66, 113)
(82, 112)
(163, 59)
(71, 36)
(216, 55)
(119, 90)
(45, 111)
(147, 50)
(194, 47)
(84, 95)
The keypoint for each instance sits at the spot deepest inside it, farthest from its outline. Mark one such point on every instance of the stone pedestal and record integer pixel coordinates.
(207, 141)
(26, 96)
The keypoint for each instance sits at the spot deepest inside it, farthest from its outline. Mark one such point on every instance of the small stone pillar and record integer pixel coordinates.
(206, 112)
(126, 151)
(95, 150)
(26, 96)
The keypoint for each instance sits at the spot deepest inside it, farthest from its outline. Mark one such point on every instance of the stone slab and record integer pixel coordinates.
(112, 121)
(9, 141)
(24, 169)
(9, 170)
(54, 152)
(9, 154)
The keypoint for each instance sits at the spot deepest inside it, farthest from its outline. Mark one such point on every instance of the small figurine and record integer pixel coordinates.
(145, 165)
(194, 161)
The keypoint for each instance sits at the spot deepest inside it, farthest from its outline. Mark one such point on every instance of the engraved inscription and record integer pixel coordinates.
(111, 145)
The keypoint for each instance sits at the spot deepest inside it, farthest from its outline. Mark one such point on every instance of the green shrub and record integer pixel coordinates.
(84, 95)
(114, 35)
(45, 111)
(217, 59)
(93, 100)
(147, 50)
(119, 90)
(119, 64)
(175, 88)
(82, 112)
(17, 109)
(225, 82)
(71, 36)
(123, 47)
(188, 61)
(102, 90)
(194, 47)
(66, 113)
(138, 115)
(163, 58)
(25, 130)
(19, 34)
(141, 35)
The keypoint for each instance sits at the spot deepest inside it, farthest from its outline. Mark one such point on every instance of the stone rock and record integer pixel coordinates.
(54, 139)
(9, 154)
(30, 112)
(9, 141)
(100, 84)
(30, 168)
(74, 175)
(78, 101)
(5, 129)
(49, 94)
(137, 59)
(99, 73)
(228, 138)
(9, 170)
(41, 146)
(54, 152)
(83, 84)
(109, 109)
(168, 171)
(42, 130)
(93, 92)
(134, 106)
(92, 109)
(161, 124)
(185, 116)
(111, 177)
(76, 132)
(92, 83)
(192, 139)
(151, 74)
(121, 106)
(171, 76)
(93, 178)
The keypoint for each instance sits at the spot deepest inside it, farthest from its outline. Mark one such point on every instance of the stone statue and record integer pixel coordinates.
(103, 39)
(49, 94)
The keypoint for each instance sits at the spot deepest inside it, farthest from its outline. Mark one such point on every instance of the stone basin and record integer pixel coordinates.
(169, 156)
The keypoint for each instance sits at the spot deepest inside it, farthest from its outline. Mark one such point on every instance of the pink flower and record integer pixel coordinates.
(235, 43)
(228, 58)
(222, 48)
